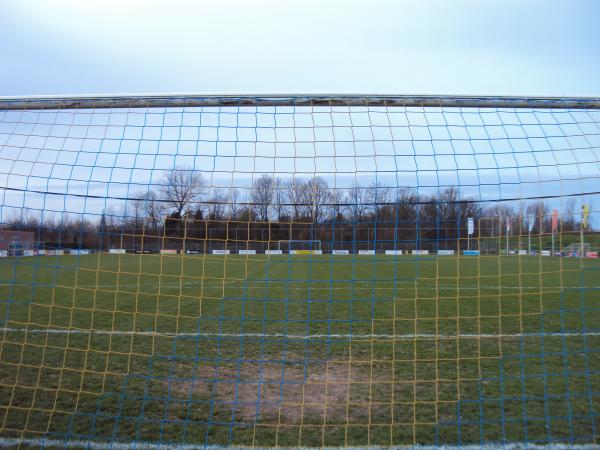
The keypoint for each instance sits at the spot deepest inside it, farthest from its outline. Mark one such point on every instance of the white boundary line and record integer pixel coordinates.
(116, 445)
(301, 337)
(321, 284)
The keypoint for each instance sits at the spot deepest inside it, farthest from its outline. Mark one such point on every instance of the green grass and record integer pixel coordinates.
(209, 349)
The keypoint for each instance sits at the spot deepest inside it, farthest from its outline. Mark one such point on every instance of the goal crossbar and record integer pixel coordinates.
(241, 100)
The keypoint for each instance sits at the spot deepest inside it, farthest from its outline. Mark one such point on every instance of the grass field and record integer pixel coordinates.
(300, 350)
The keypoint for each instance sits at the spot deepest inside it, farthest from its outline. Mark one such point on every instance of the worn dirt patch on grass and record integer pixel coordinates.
(285, 393)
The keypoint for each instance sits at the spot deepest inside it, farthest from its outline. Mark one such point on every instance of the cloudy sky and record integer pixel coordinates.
(490, 47)
(524, 47)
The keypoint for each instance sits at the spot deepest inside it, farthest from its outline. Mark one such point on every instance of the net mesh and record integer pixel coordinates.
(150, 298)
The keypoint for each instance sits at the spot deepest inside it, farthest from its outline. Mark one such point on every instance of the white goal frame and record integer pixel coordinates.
(301, 241)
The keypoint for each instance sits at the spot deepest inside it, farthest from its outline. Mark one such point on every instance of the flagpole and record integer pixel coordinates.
(530, 225)
(469, 232)
(499, 241)
(581, 229)
(507, 231)
(554, 228)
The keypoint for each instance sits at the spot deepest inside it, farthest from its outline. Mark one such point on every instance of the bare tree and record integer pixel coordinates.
(499, 215)
(406, 213)
(379, 196)
(294, 189)
(338, 198)
(217, 205)
(279, 200)
(318, 198)
(262, 196)
(151, 209)
(181, 187)
(136, 216)
(358, 202)
(233, 200)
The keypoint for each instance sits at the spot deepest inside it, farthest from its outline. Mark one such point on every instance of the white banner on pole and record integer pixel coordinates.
(530, 222)
(471, 226)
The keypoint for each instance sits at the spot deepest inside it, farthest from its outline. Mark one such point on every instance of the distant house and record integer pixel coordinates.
(15, 242)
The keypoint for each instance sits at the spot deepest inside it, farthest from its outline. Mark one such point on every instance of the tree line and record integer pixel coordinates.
(184, 212)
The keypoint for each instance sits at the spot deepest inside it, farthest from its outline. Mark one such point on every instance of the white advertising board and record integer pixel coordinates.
(247, 252)
(366, 252)
(339, 252)
(81, 251)
(393, 252)
(220, 252)
(273, 252)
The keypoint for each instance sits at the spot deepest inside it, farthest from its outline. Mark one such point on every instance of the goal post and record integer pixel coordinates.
(141, 305)
(300, 246)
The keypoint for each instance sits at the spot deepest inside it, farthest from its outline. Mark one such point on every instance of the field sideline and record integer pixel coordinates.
(302, 350)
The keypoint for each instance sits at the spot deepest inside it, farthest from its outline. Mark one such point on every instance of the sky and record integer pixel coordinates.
(523, 48)
(476, 47)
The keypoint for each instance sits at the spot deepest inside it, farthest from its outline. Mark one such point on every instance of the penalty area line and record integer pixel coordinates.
(301, 337)
(143, 445)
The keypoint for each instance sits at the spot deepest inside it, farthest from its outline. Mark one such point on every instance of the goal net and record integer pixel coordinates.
(448, 296)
